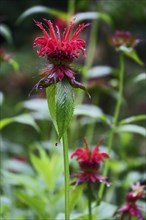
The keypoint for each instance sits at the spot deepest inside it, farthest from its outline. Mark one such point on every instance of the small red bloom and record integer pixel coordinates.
(60, 52)
(4, 56)
(89, 163)
(131, 208)
(124, 38)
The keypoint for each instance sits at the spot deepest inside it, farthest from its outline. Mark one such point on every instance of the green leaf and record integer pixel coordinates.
(102, 215)
(36, 203)
(1, 98)
(140, 77)
(133, 129)
(75, 195)
(14, 64)
(51, 92)
(93, 112)
(38, 107)
(92, 15)
(41, 9)
(61, 105)
(6, 33)
(88, 110)
(133, 119)
(64, 106)
(99, 71)
(130, 52)
(44, 166)
(22, 119)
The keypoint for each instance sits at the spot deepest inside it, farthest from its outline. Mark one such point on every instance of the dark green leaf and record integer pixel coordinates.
(51, 92)
(64, 106)
(61, 105)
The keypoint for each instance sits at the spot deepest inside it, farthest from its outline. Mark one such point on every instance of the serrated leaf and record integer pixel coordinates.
(40, 9)
(75, 194)
(64, 106)
(92, 15)
(133, 119)
(51, 92)
(130, 52)
(61, 105)
(133, 129)
(6, 33)
(22, 119)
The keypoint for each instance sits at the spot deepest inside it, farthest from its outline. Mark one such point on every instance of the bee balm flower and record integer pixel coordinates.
(131, 208)
(124, 38)
(60, 52)
(89, 163)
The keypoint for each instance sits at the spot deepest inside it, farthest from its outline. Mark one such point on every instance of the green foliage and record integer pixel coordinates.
(60, 98)
(6, 33)
(40, 9)
(93, 15)
(22, 119)
(47, 167)
(75, 194)
(132, 128)
(32, 174)
(130, 52)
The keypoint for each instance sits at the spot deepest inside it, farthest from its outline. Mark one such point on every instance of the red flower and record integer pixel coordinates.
(89, 163)
(60, 52)
(131, 208)
(124, 38)
(4, 56)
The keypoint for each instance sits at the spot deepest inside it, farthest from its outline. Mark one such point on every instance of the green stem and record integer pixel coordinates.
(89, 201)
(92, 45)
(71, 8)
(66, 174)
(114, 123)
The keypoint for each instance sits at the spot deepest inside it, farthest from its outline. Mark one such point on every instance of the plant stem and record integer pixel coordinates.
(114, 123)
(89, 201)
(66, 174)
(71, 8)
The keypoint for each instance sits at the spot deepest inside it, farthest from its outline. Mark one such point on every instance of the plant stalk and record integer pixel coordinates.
(114, 123)
(89, 201)
(66, 174)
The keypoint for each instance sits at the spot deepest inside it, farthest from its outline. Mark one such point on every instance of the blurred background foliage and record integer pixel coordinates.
(26, 125)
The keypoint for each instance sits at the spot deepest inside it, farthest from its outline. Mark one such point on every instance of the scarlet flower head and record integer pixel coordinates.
(131, 208)
(89, 163)
(60, 52)
(124, 38)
